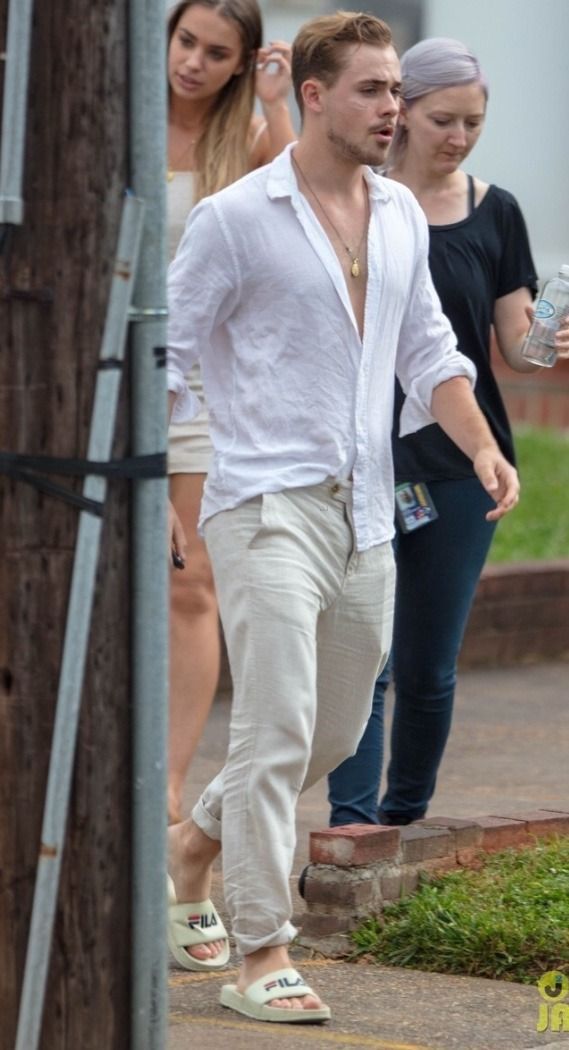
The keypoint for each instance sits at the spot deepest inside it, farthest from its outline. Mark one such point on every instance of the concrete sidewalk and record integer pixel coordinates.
(508, 748)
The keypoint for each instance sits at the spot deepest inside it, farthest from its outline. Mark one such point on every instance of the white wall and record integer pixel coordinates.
(523, 46)
(282, 20)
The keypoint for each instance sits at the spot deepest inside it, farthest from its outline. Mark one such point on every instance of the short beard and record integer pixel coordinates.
(349, 151)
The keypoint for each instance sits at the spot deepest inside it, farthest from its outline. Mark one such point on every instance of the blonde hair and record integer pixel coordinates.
(319, 49)
(430, 65)
(222, 152)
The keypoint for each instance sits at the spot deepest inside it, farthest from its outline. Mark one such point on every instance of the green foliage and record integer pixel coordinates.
(509, 920)
(539, 526)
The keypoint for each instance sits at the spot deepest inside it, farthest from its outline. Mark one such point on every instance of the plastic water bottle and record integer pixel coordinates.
(550, 309)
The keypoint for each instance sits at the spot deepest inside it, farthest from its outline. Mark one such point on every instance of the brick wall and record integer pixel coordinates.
(521, 611)
(355, 870)
(520, 615)
(539, 399)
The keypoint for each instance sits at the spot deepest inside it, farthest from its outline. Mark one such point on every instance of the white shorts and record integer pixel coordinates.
(189, 445)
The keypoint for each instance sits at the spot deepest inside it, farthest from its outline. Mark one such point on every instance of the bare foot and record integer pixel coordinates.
(266, 961)
(190, 857)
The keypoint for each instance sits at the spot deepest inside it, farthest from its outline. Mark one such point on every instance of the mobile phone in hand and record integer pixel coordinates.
(177, 560)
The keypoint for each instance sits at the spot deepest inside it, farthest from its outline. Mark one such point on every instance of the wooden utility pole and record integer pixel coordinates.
(55, 275)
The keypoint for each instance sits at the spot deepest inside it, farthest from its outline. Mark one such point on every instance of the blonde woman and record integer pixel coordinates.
(216, 66)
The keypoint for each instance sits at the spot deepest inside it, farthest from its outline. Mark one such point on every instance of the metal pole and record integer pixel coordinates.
(150, 568)
(14, 110)
(76, 638)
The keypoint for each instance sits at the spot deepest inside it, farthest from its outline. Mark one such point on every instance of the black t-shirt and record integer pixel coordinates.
(473, 263)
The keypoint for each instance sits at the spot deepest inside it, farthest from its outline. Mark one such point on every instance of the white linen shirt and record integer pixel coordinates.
(258, 296)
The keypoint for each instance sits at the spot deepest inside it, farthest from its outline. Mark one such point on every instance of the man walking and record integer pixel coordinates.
(303, 289)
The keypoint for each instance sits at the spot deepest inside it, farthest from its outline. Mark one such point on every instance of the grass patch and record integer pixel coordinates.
(509, 920)
(539, 526)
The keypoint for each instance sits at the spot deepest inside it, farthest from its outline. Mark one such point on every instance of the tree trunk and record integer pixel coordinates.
(54, 285)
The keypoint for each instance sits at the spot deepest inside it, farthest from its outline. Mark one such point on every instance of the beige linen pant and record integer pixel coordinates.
(307, 622)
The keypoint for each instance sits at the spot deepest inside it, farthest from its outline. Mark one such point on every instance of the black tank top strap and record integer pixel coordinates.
(471, 197)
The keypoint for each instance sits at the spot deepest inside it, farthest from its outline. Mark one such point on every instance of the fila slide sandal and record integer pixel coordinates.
(281, 984)
(190, 924)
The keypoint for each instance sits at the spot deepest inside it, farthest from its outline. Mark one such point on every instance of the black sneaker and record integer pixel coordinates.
(389, 820)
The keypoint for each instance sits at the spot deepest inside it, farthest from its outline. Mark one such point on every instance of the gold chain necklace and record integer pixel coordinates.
(355, 268)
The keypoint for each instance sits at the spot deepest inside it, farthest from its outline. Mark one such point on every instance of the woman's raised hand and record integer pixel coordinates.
(273, 79)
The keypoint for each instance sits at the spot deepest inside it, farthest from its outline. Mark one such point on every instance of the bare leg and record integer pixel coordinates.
(191, 855)
(194, 642)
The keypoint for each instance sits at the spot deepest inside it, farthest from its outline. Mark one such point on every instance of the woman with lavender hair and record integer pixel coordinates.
(483, 271)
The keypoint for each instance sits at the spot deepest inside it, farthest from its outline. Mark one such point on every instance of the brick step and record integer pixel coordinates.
(356, 869)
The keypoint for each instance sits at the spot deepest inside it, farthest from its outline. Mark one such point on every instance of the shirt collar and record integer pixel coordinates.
(282, 180)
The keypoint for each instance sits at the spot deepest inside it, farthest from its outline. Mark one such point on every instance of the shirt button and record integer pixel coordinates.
(335, 488)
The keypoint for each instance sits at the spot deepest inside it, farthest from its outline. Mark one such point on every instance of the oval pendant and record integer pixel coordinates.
(355, 268)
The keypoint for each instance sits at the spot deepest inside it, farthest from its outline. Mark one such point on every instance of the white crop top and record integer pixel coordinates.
(180, 199)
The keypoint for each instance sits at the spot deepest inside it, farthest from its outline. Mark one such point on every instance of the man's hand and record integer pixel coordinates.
(499, 478)
(177, 538)
(455, 408)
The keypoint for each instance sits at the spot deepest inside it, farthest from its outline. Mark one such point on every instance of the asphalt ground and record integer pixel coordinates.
(507, 753)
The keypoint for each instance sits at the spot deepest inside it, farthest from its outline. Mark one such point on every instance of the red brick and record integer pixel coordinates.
(528, 645)
(340, 890)
(353, 845)
(438, 865)
(502, 833)
(544, 823)
(519, 613)
(464, 832)
(471, 857)
(419, 843)
(527, 578)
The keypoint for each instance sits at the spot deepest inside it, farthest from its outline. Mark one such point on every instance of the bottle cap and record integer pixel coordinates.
(564, 270)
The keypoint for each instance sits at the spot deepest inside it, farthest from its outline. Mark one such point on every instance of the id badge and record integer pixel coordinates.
(413, 506)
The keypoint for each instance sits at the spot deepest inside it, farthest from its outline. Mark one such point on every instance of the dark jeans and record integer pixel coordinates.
(438, 567)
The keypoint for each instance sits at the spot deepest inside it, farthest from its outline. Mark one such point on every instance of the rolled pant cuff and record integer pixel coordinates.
(246, 945)
(206, 822)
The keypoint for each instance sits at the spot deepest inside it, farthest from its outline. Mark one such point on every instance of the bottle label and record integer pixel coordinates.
(544, 309)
